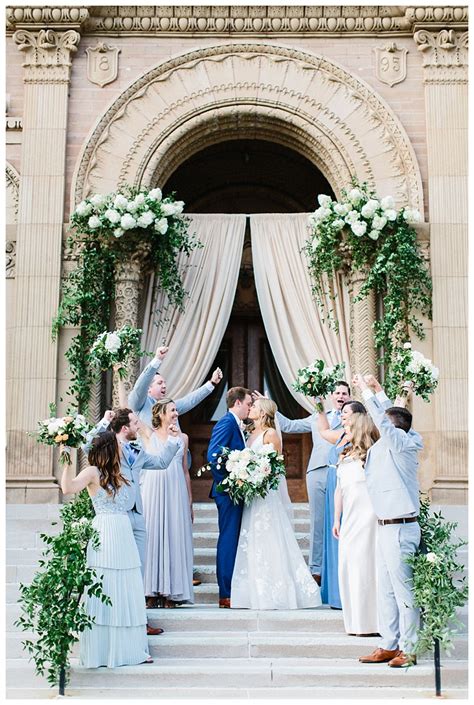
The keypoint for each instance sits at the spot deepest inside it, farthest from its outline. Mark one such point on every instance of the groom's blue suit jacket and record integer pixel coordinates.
(226, 434)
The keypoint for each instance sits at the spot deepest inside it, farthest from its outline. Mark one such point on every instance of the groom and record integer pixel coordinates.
(227, 433)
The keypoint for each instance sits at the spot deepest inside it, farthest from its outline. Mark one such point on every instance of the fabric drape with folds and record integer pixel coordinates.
(292, 320)
(210, 277)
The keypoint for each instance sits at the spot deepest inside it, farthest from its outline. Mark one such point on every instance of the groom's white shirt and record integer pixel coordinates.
(240, 424)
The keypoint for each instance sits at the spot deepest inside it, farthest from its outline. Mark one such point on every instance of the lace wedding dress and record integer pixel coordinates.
(270, 572)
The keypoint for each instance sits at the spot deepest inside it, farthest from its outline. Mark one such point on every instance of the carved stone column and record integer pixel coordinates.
(127, 295)
(445, 74)
(362, 317)
(32, 381)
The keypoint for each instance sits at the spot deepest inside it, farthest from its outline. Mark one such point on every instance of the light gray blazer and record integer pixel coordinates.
(142, 404)
(321, 447)
(391, 467)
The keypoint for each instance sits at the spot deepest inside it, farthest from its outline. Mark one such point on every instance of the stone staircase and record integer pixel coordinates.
(208, 652)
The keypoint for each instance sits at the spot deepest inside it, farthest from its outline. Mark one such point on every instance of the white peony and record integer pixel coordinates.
(342, 208)
(412, 215)
(118, 232)
(168, 209)
(338, 223)
(324, 200)
(83, 208)
(352, 217)
(374, 234)
(369, 208)
(97, 200)
(379, 222)
(155, 194)
(112, 215)
(234, 456)
(407, 346)
(112, 343)
(390, 214)
(161, 225)
(431, 557)
(387, 202)
(128, 222)
(53, 426)
(359, 228)
(120, 201)
(93, 222)
(145, 219)
(355, 196)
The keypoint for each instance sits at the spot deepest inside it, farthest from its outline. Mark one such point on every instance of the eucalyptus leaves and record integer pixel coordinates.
(364, 232)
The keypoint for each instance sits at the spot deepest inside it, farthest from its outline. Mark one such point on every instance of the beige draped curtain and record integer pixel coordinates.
(292, 320)
(210, 278)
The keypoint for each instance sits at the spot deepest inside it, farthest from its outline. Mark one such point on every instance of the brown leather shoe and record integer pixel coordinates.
(153, 631)
(196, 581)
(317, 578)
(224, 602)
(402, 660)
(380, 656)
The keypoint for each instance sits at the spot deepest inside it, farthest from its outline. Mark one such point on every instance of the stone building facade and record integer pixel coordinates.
(102, 96)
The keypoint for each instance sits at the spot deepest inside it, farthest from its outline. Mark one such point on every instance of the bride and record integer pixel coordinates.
(270, 571)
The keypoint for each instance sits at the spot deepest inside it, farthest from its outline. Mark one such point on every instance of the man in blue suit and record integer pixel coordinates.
(391, 470)
(227, 433)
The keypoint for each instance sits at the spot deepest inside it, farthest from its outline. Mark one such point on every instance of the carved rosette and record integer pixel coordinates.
(445, 55)
(362, 318)
(127, 297)
(10, 251)
(47, 54)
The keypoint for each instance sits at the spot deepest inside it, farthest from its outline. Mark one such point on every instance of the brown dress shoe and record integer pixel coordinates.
(224, 602)
(380, 656)
(153, 631)
(317, 578)
(196, 581)
(402, 660)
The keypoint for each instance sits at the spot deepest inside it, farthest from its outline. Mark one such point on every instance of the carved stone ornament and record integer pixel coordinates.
(391, 64)
(47, 54)
(10, 251)
(445, 55)
(102, 64)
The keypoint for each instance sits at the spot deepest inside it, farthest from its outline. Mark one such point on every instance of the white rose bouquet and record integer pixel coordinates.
(318, 380)
(251, 473)
(411, 366)
(70, 431)
(116, 347)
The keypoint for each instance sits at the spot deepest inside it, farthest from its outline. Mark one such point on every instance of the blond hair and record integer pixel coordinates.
(364, 435)
(159, 410)
(269, 409)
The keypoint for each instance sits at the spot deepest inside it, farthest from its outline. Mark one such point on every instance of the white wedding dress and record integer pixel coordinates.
(270, 572)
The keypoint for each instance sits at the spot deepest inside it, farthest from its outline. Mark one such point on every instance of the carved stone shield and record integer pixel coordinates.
(391, 64)
(102, 64)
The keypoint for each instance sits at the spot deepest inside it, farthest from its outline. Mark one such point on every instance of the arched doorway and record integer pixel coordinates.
(247, 176)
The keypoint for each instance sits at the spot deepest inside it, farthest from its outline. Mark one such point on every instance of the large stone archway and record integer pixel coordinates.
(302, 100)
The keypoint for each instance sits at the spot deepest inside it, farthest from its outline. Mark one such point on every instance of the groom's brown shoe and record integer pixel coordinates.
(317, 579)
(224, 602)
(380, 656)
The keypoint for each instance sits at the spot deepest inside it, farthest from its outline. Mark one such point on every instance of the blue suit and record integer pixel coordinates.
(226, 434)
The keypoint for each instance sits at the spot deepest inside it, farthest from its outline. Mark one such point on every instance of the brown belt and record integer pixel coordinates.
(405, 520)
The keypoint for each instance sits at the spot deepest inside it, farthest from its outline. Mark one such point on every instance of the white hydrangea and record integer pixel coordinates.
(120, 201)
(168, 209)
(161, 225)
(93, 222)
(387, 202)
(379, 222)
(352, 217)
(83, 208)
(178, 207)
(112, 342)
(431, 557)
(97, 200)
(132, 206)
(369, 208)
(155, 194)
(342, 208)
(338, 223)
(390, 214)
(128, 222)
(355, 196)
(140, 199)
(407, 346)
(374, 234)
(324, 200)
(359, 228)
(145, 219)
(412, 215)
(118, 232)
(112, 215)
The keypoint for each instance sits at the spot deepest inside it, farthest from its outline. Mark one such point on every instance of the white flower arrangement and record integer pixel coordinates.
(318, 379)
(250, 473)
(70, 430)
(116, 347)
(412, 366)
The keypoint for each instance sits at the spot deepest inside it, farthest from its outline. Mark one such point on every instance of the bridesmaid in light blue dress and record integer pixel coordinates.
(118, 635)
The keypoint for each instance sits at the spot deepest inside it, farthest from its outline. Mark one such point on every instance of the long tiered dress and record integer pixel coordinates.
(270, 572)
(118, 636)
(169, 550)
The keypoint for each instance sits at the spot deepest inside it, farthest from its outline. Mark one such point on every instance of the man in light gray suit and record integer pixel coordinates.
(316, 474)
(150, 387)
(391, 469)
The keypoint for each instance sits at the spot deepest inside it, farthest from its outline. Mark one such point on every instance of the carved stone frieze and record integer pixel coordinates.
(13, 188)
(362, 318)
(10, 251)
(13, 123)
(54, 17)
(102, 64)
(391, 64)
(127, 298)
(47, 54)
(445, 55)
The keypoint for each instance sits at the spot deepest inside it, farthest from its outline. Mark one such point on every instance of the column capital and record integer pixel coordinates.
(47, 54)
(445, 55)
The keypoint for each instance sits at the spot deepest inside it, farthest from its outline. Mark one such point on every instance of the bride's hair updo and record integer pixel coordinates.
(158, 411)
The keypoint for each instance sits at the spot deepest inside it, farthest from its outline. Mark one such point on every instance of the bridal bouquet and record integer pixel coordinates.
(70, 431)
(317, 380)
(251, 473)
(110, 349)
(411, 366)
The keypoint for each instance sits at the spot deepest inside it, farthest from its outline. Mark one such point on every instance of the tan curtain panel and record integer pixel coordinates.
(292, 320)
(210, 277)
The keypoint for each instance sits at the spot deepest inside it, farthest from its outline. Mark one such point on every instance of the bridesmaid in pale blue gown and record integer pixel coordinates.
(118, 636)
(329, 569)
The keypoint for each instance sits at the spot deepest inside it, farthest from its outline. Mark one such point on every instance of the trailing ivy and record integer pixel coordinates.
(363, 232)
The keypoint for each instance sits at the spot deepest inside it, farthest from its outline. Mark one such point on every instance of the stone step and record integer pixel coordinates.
(254, 673)
(208, 539)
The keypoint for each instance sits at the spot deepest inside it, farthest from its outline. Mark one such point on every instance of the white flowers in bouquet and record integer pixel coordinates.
(318, 379)
(70, 430)
(250, 473)
(411, 366)
(116, 347)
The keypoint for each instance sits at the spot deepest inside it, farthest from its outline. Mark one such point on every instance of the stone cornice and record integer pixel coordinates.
(285, 20)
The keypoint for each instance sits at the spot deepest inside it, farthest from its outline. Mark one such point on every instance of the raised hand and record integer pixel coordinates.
(216, 376)
(173, 430)
(358, 381)
(373, 383)
(161, 352)
(258, 395)
(108, 415)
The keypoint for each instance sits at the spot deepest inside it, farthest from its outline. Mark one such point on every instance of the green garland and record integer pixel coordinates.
(363, 232)
(153, 226)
